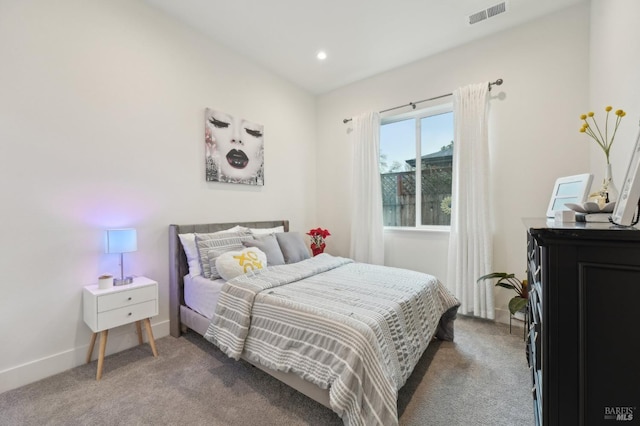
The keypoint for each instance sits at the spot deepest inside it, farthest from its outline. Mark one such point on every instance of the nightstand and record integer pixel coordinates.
(116, 306)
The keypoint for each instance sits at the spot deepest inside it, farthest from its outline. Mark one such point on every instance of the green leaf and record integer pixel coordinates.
(501, 275)
(517, 304)
(505, 285)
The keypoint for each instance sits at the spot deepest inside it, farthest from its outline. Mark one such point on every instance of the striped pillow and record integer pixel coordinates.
(220, 242)
(188, 241)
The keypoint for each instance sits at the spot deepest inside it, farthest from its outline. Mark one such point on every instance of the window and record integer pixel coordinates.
(416, 196)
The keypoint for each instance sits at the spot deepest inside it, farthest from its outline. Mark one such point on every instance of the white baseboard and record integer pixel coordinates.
(502, 316)
(120, 338)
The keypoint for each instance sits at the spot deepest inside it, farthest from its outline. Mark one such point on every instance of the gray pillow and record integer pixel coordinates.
(269, 245)
(292, 246)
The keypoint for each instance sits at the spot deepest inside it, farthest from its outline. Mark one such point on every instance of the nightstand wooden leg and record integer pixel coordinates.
(103, 345)
(152, 343)
(139, 331)
(92, 343)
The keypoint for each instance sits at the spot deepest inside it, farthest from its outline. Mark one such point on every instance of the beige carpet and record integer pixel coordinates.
(480, 379)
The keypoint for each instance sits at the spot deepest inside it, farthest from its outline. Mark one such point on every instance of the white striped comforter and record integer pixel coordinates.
(357, 329)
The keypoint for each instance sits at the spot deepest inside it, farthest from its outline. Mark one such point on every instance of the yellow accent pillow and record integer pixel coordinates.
(234, 263)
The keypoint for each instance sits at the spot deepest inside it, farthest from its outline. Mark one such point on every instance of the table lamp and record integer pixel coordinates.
(121, 241)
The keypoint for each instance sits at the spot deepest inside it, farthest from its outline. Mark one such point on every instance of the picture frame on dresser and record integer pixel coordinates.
(569, 189)
(626, 211)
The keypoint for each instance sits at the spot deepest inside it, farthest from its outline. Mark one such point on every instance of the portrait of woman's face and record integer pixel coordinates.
(234, 149)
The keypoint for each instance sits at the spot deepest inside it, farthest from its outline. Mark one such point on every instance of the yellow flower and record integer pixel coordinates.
(602, 140)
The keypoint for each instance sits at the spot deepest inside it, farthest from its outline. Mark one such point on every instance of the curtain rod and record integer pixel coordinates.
(498, 82)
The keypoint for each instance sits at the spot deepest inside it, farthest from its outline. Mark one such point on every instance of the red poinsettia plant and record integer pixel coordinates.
(317, 240)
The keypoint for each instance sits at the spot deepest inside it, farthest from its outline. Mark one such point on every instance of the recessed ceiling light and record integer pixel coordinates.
(322, 55)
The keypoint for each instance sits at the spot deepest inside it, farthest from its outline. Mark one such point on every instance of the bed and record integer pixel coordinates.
(286, 293)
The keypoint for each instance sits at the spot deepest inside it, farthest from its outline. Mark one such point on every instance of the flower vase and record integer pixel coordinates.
(317, 249)
(608, 187)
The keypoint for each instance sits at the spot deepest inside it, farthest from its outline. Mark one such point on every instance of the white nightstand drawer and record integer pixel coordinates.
(120, 299)
(126, 315)
(101, 301)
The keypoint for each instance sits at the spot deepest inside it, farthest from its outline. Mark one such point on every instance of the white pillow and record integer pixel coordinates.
(212, 256)
(234, 263)
(191, 250)
(222, 242)
(236, 228)
(266, 231)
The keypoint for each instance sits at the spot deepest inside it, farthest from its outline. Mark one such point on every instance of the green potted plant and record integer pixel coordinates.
(518, 302)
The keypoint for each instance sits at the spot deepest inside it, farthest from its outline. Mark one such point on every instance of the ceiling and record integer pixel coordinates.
(361, 37)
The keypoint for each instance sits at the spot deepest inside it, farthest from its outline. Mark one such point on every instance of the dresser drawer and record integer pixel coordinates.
(126, 315)
(121, 299)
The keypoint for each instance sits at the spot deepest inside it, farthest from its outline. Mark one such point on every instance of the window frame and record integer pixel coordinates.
(418, 115)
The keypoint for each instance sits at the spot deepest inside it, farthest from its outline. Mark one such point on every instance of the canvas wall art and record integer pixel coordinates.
(234, 149)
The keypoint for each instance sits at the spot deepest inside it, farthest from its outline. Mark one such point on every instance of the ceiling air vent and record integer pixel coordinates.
(490, 12)
(496, 10)
(477, 17)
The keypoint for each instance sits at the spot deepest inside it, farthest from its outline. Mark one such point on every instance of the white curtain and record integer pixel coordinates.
(470, 243)
(367, 239)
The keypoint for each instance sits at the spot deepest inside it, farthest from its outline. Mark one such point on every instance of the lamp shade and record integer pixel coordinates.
(121, 241)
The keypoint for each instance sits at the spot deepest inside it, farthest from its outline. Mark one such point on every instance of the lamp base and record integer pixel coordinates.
(122, 281)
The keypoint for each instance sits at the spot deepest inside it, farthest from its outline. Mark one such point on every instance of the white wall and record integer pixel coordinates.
(615, 71)
(533, 139)
(101, 125)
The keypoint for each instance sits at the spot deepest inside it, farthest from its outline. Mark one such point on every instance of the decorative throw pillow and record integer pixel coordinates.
(214, 254)
(292, 246)
(188, 241)
(266, 231)
(269, 245)
(233, 263)
(224, 241)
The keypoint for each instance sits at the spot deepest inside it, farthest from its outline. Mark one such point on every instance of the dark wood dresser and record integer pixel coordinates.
(584, 312)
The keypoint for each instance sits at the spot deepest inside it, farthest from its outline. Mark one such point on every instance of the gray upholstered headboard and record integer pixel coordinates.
(178, 266)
